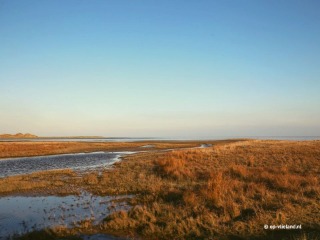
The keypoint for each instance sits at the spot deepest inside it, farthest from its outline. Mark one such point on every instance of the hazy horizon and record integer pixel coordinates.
(165, 69)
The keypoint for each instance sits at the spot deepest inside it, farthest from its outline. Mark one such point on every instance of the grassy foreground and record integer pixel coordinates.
(228, 191)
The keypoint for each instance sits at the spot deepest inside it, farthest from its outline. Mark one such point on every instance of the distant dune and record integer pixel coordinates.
(18, 135)
(29, 135)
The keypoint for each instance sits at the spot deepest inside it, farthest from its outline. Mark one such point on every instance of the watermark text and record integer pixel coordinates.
(283, 226)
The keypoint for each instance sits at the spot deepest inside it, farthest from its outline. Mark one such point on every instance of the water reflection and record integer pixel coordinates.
(20, 215)
(80, 161)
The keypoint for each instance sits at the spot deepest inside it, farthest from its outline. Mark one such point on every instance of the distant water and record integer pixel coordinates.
(293, 138)
(79, 139)
(78, 161)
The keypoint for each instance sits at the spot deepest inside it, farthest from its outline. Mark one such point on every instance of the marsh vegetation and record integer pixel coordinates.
(227, 191)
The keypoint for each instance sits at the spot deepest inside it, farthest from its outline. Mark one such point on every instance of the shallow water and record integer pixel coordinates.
(19, 215)
(79, 161)
(206, 145)
(78, 139)
(148, 146)
(102, 237)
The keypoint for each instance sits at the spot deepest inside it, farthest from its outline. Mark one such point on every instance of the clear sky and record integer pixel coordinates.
(160, 68)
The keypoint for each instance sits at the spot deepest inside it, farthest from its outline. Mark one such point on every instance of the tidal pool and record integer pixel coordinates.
(20, 215)
(78, 161)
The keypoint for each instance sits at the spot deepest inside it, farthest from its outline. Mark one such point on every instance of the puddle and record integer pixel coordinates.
(102, 237)
(205, 145)
(78, 161)
(20, 215)
(148, 146)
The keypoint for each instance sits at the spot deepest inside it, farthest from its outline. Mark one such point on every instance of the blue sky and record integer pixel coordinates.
(160, 68)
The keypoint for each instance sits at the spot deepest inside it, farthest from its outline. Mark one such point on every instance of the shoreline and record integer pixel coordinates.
(31, 149)
(180, 181)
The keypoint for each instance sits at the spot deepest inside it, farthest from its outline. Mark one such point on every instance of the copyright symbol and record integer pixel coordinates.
(266, 226)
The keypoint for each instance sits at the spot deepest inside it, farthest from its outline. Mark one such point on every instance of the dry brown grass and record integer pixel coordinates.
(54, 181)
(174, 165)
(228, 191)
